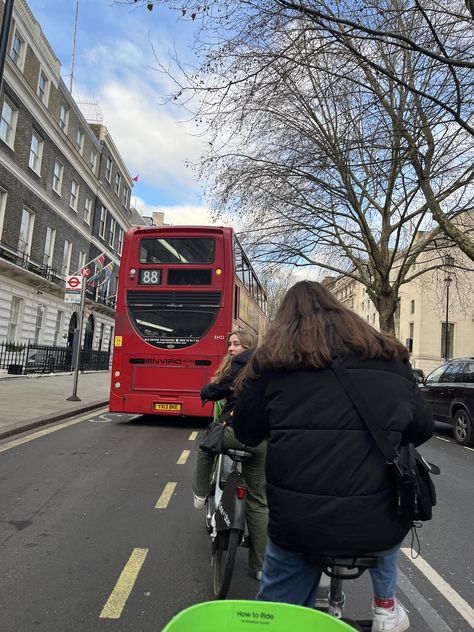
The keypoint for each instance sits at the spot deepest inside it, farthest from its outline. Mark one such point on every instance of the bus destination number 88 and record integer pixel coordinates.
(149, 277)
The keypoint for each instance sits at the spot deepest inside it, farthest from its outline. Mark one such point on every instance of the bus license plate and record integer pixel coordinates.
(167, 407)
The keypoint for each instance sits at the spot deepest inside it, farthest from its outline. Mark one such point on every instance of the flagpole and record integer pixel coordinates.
(77, 347)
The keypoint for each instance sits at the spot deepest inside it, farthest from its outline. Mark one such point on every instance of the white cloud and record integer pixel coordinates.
(149, 135)
(178, 215)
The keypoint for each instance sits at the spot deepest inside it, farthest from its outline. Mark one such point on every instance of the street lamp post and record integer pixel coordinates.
(448, 280)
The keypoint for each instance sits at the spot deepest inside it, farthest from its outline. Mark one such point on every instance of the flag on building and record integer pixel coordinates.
(135, 179)
(107, 274)
(98, 262)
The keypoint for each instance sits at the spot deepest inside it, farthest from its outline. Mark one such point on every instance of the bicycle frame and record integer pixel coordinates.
(229, 512)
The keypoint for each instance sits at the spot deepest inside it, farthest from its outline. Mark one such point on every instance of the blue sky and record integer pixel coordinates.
(114, 65)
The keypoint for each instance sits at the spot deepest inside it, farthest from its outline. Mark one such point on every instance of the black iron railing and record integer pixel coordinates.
(22, 259)
(21, 359)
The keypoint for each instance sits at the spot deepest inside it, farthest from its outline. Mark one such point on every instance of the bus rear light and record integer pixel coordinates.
(132, 273)
(117, 385)
(117, 374)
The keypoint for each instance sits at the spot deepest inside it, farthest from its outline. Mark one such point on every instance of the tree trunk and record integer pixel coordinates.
(387, 306)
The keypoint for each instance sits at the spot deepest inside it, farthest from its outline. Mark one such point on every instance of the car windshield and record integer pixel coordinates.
(436, 374)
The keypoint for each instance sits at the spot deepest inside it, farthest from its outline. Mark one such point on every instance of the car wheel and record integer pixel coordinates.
(463, 430)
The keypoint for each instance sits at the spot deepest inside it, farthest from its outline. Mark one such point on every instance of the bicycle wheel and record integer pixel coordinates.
(223, 558)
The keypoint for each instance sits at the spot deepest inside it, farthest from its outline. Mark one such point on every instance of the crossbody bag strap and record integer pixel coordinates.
(390, 453)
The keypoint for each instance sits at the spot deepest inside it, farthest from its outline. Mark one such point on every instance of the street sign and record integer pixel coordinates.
(86, 272)
(73, 288)
(74, 282)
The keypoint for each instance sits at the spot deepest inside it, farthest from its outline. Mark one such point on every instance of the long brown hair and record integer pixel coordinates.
(310, 327)
(247, 341)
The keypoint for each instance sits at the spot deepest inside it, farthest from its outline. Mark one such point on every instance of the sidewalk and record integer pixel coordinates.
(30, 401)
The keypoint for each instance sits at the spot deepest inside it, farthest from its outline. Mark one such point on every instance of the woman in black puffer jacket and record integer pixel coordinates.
(329, 489)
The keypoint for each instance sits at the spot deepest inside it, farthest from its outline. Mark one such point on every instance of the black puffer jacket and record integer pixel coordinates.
(223, 389)
(328, 487)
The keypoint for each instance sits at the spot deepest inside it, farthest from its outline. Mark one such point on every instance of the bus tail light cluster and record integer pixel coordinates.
(117, 385)
(132, 273)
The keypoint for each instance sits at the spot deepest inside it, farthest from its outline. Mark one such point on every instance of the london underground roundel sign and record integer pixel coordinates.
(74, 282)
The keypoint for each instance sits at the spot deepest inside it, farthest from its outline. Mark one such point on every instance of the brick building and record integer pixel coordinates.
(64, 196)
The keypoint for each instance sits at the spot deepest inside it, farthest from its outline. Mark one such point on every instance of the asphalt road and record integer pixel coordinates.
(84, 546)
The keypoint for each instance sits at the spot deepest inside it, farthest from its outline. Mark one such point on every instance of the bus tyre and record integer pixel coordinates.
(223, 558)
(463, 430)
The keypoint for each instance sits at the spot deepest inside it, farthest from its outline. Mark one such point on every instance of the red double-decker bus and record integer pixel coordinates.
(181, 290)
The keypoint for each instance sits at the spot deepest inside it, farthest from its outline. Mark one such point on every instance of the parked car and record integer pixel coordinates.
(449, 392)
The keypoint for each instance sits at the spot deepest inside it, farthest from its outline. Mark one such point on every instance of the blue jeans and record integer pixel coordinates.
(289, 578)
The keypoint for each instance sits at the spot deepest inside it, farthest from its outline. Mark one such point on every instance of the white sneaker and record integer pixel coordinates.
(390, 619)
(199, 501)
(258, 575)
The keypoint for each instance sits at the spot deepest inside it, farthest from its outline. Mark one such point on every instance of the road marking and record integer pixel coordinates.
(444, 588)
(165, 497)
(192, 436)
(183, 458)
(424, 608)
(471, 449)
(118, 597)
(41, 433)
(442, 439)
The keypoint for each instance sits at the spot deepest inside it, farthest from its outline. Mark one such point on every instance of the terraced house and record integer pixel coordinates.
(64, 197)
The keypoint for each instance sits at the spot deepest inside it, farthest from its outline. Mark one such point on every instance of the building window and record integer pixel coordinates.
(26, 231)
(93, 160)
(36, 153)
(14, 319)
(82, 260)
(112, 233)
(88, 210)
(412, 307)
(39, 323)
(450, 349)
(79, 141)
(63, 118)
(3, 206)
(8, 124)
(103, 220)
(66, 258)
(117, 184)
(108, 169)
(57, 177)
(125, 196)
(74, 195)
(49, 246)
(120, 241)
(58, 327)
(43, 87)
(17, 52)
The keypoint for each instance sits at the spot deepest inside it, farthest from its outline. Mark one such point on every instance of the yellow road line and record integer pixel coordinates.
(183, 458)
(192, 436)
(41, 433)
(443, 587)
(118, 597)
(165, 497)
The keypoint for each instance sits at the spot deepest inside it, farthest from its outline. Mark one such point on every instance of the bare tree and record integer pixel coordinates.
(435, 36)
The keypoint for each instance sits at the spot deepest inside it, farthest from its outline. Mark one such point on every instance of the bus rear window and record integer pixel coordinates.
(177, 250)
